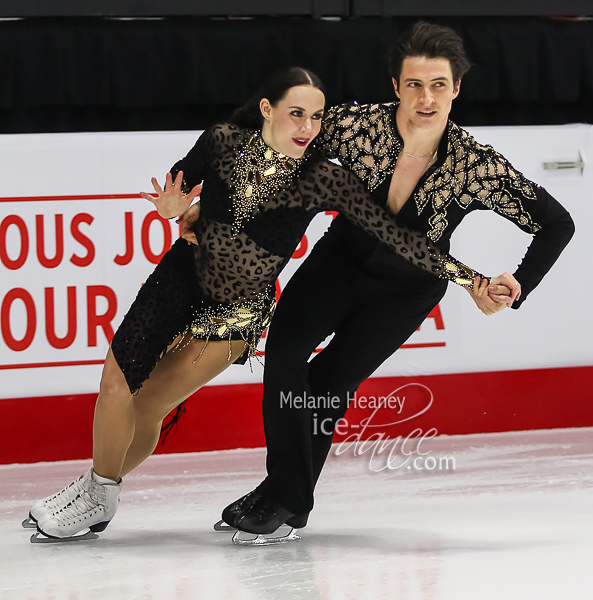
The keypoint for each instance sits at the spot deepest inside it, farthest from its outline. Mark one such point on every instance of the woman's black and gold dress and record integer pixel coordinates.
(255, 207)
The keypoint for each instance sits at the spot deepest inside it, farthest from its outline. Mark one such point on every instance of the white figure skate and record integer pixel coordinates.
(79, 511)
(46, 506)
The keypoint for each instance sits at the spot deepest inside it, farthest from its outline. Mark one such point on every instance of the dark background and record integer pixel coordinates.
(97, 70)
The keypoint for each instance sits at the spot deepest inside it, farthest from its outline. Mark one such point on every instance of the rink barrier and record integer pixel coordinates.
(75, 251)
(224, 417)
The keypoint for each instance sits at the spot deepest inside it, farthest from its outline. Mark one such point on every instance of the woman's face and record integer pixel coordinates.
(291, 125)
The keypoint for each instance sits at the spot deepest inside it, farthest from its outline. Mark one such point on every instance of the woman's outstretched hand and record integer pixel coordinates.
(186, 222)
(171, 202)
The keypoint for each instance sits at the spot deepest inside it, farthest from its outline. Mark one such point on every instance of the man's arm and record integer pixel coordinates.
(332, 140)
(187, 222)
(557, 228)
(534, 211)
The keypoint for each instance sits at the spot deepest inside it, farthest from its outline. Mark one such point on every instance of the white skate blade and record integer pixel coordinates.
(242, 538)
(28, 523)
(86, 534)
(222, 526)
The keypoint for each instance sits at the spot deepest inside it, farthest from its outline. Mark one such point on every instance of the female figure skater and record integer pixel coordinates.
(206, 306)
(429, 172)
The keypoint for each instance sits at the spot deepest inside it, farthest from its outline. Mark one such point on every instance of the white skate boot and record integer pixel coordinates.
(46, 506)
(79, 511)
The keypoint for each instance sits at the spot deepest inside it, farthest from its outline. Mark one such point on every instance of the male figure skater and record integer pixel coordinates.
(429, 172)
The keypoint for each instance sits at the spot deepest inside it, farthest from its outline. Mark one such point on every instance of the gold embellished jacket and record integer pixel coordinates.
(466, 176)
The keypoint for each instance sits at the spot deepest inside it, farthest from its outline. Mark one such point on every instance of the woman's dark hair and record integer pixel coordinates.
(430, 41)
(274, 89)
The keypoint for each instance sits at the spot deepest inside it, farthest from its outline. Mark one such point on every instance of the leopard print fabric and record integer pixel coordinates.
(365, 139)
(163, 308)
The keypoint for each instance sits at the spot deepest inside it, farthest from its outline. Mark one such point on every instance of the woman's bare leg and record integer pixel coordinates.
(126, 428)
(113, 425)
(165, 390)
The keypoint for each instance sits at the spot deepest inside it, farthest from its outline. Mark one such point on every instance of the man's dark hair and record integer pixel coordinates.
(430, 41)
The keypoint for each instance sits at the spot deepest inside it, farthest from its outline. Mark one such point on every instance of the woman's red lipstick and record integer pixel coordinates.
(302, 142)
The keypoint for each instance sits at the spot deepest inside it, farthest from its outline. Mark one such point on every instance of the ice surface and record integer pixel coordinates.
(513, 520)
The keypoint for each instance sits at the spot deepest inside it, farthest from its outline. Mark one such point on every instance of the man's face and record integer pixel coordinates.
(426, 90)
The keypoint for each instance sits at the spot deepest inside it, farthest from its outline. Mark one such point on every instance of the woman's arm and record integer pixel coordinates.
(191, 170)
(330, 187)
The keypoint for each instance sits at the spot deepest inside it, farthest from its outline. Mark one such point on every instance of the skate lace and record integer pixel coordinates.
(262, 507)
(65, 495)
(248, 501)
(86, 501)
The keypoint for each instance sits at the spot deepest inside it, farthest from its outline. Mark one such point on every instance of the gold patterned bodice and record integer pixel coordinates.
(365, 139)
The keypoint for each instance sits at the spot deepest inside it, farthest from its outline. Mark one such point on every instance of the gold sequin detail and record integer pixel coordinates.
(260, 172)
(249, 317)
(365, 139)
(459, 273)
(472, 172)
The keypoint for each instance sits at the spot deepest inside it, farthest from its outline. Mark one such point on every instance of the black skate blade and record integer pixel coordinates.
(40, 538)
(29, 523)
(222, 526)
(242, 538)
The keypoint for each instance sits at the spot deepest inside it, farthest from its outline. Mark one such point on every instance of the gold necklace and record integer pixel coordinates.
(423, 155)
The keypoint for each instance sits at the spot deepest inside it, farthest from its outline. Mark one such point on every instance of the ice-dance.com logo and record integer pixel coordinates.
(400, 452)
(368, 437)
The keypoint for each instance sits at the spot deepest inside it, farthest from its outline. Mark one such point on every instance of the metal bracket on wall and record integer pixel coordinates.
(566, 164)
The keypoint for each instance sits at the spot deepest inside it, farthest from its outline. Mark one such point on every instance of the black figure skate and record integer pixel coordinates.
(264, 517)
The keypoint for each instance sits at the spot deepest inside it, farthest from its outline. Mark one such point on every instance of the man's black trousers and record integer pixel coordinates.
(372, 312)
